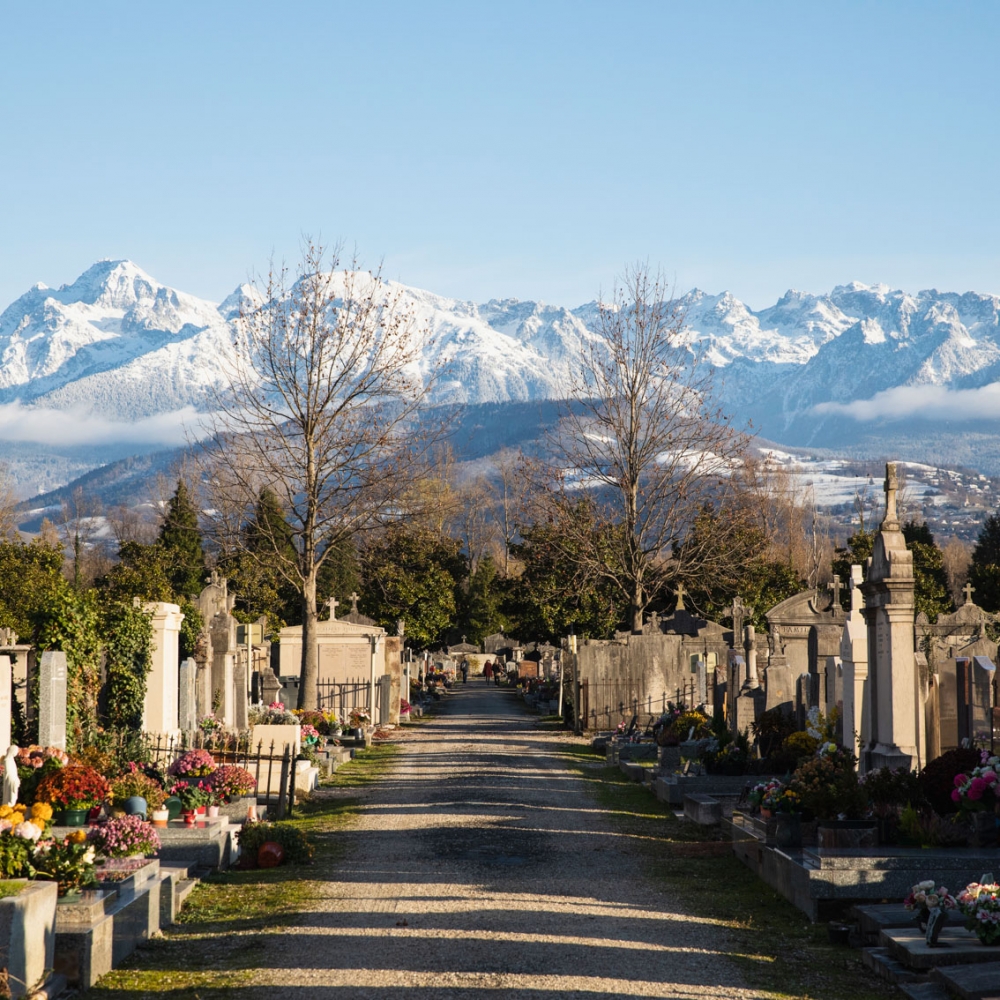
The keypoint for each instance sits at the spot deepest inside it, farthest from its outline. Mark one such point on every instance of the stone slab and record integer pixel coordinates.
(955, 946)
(637, 751)
(208, 844)
(27, 935)
(886, 968)
(674, 787)
(703, 809)
(972, 982)
(634, 772)
(876, 917)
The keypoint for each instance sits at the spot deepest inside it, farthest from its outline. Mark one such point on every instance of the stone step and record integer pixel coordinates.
(887, 968)
(184, 889)
(924, 991)
(970, 982)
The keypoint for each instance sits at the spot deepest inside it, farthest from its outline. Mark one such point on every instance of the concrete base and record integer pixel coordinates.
(971, 982)
(208, 844)
(956, 946)
(823, 883)
(703, 810)
(672, 788)
(27, 936)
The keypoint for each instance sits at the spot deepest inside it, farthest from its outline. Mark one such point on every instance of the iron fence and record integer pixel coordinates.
(340, 698)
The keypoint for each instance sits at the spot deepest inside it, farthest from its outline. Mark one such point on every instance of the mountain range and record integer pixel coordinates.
(116, 357)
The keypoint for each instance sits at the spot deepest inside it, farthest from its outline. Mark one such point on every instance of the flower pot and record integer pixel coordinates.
(174, 806)
(936, 919)
(200, 810)
(766, 813)
(846, 834)
(213, 811)
(189, 819)
(160, 817)
(788, 831)
(135, 805)
(359, 734)
(75, 817)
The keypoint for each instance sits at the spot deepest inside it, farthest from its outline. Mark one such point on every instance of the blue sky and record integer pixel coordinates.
(505, 149)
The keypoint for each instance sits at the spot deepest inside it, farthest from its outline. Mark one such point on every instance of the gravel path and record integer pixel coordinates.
(482, 868)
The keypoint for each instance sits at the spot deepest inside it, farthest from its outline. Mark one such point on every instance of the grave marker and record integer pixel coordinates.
(187, 701)
(6, 704)
(52, 700)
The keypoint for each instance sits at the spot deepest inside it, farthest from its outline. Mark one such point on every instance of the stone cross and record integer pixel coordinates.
(463, 640)
(52, 700)
(891, 520)
(835, 587)
(400, 627)
(213, 578)
(740, 613)
(654, 621)
(332, 605)
(969, 591)
(679, 592)
(354, 602)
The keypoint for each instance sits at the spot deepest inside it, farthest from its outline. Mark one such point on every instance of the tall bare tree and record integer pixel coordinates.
(323, 391)
(648, 445)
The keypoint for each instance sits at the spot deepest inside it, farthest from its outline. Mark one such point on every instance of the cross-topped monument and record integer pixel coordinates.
(969, 591)
(332, 604)
(679, 592)
(835, 587)
(740, 613)
(354, 598)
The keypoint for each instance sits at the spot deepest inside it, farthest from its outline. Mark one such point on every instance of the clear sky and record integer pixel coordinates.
(505, 149)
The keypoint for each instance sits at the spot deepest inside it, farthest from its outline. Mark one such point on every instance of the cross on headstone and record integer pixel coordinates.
(354, 602)
(214, 578)
(740, 613)
(463, 640)
(969, 591)
(835, 587)
(332, 605)
(680, 597)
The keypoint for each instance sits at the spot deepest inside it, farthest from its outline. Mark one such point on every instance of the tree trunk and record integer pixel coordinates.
(637, 610)
(309, 674)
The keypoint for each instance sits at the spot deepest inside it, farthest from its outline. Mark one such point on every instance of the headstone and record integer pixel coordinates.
(241, 705)
(187, 703)
(52, 700)
(897, 715)
(6, 704)
(223, 632)
(160, 706)
(702, 681)
(270, 686)
(750, 645)
(778, 680)
(856, 712)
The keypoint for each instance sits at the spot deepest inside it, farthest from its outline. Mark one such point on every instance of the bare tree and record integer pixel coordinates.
(507, 488)
(323, 390)
(647, 443)
(957, 557)
(78, 523)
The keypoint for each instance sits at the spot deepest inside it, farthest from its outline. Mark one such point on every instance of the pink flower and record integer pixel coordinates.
(956, 796)
(960, 780)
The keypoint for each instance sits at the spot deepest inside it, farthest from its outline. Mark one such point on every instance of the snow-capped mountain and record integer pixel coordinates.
(118, 343)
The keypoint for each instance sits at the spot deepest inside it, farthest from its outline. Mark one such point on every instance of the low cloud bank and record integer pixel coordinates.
(41, 425)
(923, 402)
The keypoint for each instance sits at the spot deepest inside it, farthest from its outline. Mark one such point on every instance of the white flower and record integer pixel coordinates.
(27, 831)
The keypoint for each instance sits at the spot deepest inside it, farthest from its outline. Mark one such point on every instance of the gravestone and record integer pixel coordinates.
(187, 704)
(778, 679)
(52, 699)
(897, 716)
(6, 706)
(241, 704)
(856, 711)
(160, 710)
(702, 681)
(222, 630)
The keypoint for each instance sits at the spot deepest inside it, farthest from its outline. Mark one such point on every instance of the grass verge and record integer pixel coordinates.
(777, 948)
(209, 953)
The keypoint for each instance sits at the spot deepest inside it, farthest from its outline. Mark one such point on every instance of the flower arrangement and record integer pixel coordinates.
(193, 764)
(125, 837)
(404, 707)
(937, 779)
(272, 716)
(35, 756)
(253, 835)
(978, 789)
(924, 896)
(70, 862)
(827, 786)
(193, 794)
(135, 782)
(75, 786)
(980, 904)
(333, 724)
(800, 745)
(763, 790)
(210, 725)
(360, 718)
(230, 782)
(309, 734)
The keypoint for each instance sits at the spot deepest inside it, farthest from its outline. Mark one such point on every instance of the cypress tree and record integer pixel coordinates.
(984, 573)
(180, 538)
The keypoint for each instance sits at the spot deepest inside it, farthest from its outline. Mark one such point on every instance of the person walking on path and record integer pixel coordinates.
(465, 671)
(488, 671)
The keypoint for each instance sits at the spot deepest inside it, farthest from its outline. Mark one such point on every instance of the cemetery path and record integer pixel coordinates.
(481, 867)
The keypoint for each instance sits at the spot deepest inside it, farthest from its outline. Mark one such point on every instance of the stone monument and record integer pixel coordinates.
(856, 715)
(52, 699)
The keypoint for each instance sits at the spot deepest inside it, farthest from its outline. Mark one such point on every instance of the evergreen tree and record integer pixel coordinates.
(180, 537)
(480, 613)
(984, 573)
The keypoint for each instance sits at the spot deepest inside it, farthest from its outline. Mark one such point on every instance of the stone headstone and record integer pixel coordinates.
(855, 715)
(187, 701)
(160, 710)
(52, 700)
(701, 669)
(6, 704)
(240, 703)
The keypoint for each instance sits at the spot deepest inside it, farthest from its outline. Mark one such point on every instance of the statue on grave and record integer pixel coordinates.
(11, 779)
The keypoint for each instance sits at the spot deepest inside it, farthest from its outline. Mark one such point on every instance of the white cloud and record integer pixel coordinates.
(41, 425)
(926, 402)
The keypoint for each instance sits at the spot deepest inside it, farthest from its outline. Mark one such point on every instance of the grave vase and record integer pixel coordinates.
(788, 831)
(984, 830)
(75, 817)
(135, 805)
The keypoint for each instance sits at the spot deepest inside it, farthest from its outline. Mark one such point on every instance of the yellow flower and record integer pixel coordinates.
(5, 812)
(76, 837)
(41, 811)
